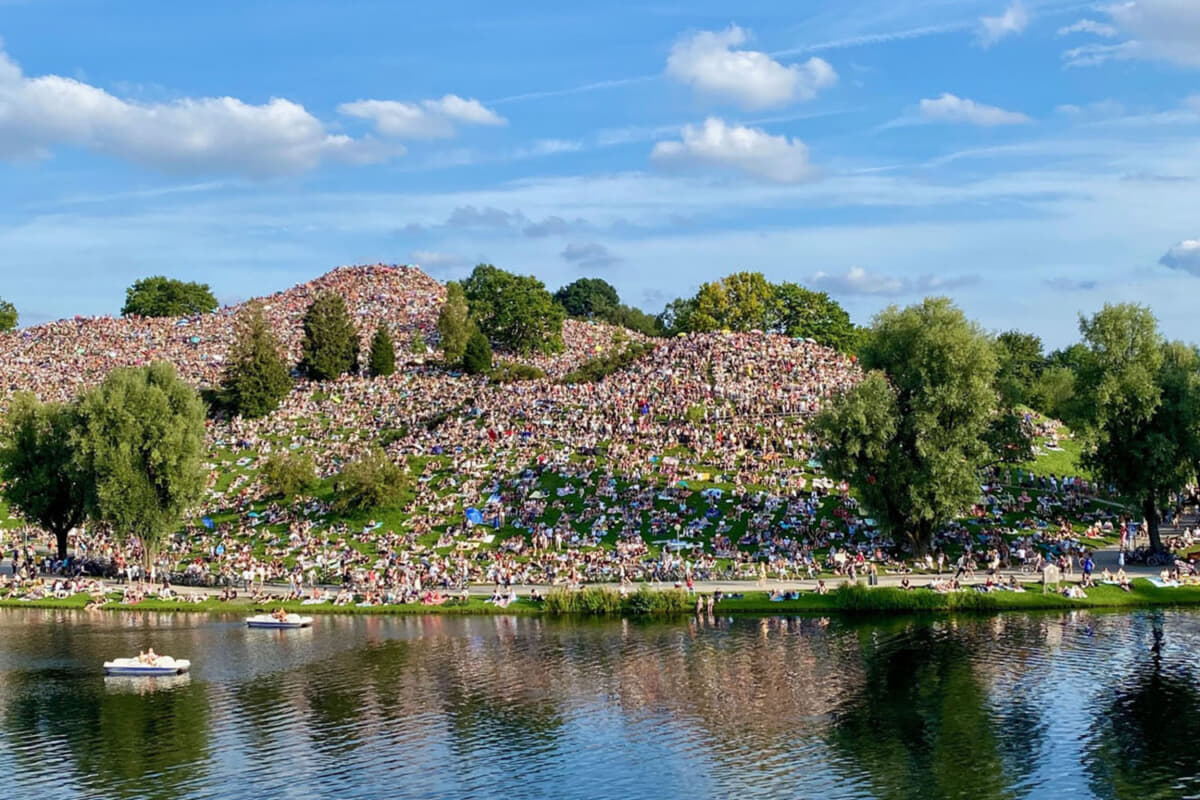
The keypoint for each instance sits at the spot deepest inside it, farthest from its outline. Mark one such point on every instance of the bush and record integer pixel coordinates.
(601, 367)
(372, 482)
(288, 474)
(510, 372)
(477, 360)
(602, 601)
(647, 601)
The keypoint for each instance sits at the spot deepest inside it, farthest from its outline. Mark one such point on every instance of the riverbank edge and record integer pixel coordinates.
(846, 599)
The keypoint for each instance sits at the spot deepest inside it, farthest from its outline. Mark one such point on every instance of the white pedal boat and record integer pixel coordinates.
(162, 665)
(269, 621)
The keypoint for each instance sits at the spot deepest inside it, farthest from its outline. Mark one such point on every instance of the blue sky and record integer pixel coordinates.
(1030, 159)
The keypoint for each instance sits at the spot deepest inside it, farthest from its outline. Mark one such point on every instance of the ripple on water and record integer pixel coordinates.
(1085, 705)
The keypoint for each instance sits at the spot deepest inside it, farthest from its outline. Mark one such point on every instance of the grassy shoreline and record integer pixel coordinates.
(607, 603)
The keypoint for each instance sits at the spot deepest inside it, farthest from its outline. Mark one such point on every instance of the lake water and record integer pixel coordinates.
(1078, 705)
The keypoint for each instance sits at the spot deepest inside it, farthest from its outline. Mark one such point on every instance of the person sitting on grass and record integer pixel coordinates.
(1123, 582)
(821, 587)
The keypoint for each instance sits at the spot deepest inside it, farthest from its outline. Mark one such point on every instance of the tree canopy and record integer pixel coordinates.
(746, 301)
(8, 316)
(141, 437)
(256, 375)
(160, 296)
(40, 477)
(1143, 418)
(515, 312)
(588, 298)
(909, 438)
(454, 323)
(330, 347)
(382, 360)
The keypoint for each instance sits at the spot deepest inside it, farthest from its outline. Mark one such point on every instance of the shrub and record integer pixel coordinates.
(289, 474)
(372, 482)
(510, 372)
(601, 367)
(477, 360)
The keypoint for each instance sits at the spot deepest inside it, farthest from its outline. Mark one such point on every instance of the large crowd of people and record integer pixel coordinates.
(692, 463)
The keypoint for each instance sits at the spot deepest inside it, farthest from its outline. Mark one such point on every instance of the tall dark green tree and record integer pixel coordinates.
(141, 438)
(1144, 415)
(330, 347)
(910, 437)
(383, 353)
(256, 374)
(40, 477)
(8, 316)
(160, 296)
(477, 360)
(454, 324)
(515, 312)
(588, 298)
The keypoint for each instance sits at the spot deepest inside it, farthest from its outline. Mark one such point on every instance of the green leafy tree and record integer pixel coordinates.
(371, 482)
(330, 347)
(383, 353)
(514, 311)
(477, 360)
(588, 298)
(740, 302)
(160, 296)
(635, 320)
(256, 374)
(676, 318)
(141, 437)
(1144, 415)
(1009, 438)
(1019, 365)
(8, 316)
(288, 474)
(910, 437)
(40, 477)
(454, 324)
(1054, 393)
(814, 315)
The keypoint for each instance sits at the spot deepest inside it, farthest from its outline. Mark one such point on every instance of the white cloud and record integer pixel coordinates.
(189, 135)
(1089, 26)
(429, 119)
(708, 63)
(1157, 30)
(858, 281)
(950, 108)
(1014, 20)
(433, 260)
(1184, 256)
(749, 150)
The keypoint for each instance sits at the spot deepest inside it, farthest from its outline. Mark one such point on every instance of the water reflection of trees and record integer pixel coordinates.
(123, 742)
(1143, 741)
(925, 724)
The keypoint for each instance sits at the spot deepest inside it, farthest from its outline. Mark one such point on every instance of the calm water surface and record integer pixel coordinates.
(1080, 705)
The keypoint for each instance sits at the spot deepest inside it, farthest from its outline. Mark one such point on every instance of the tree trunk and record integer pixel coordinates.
(1150, 510)
(60, 537)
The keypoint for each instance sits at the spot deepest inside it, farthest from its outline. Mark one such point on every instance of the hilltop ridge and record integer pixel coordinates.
(57, 359)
